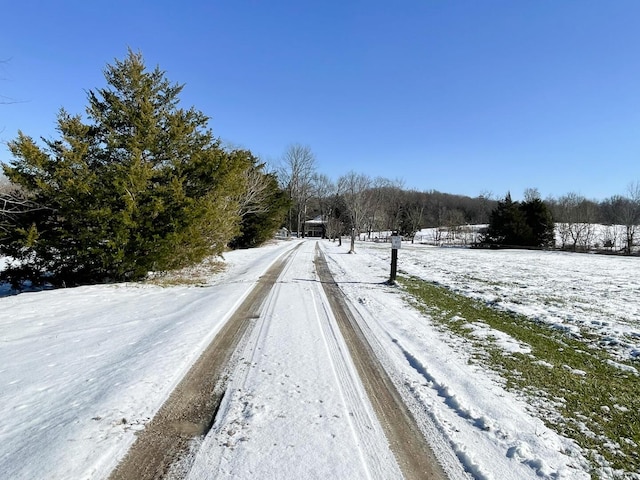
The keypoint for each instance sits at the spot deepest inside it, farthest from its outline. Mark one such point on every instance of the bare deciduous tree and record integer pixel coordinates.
(3, 99)
(354, 189)
(531, 194)
(322, 190)
(633, 217)
(610, 236)
(626, 212)
(577, 216)
(253, 199)
(296, 176)
(13, 201)
(393, 200)
(486, 199)
(415, 218)
(454, 220)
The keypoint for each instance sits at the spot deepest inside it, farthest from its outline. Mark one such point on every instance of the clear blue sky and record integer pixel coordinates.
(458, 96)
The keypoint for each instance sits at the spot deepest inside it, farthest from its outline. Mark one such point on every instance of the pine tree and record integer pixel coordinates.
(515, 224)
(142, 186)
(507, 225)
(539, 219)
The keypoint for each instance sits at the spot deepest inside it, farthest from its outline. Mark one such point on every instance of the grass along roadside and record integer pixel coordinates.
(197, 275)
(572, 386)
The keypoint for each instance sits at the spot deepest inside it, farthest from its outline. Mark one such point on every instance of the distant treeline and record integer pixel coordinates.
(357, 204)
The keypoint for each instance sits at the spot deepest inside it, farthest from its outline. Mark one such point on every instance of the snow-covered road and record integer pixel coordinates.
(295, 407)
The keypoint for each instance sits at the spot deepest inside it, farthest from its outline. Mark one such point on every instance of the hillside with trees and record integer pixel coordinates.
(357, 204)
(380, 205)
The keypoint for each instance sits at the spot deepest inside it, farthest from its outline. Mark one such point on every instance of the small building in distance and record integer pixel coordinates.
(315, 228)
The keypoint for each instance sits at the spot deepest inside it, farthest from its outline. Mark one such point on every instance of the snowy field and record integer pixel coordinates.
(81, 370)
(570, 237)
(488, 428)
(581, 293)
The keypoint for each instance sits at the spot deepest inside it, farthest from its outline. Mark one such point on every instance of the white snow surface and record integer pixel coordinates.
(568, 291)
(296, 408)
(81, 370)
(487, 428)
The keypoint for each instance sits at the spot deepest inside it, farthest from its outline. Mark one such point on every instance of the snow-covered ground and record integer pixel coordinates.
(598, 294)
(487, 427)
(82, 369)
(295, 407)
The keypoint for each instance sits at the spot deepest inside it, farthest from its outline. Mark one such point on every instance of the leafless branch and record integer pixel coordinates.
(13, 201)
(253, 201)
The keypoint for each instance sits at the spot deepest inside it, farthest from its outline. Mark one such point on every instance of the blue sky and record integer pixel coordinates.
(458, 96)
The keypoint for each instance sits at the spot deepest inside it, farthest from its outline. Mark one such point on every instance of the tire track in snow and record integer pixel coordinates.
(413, 454)
(361, 420)
(190, 409)
(334, 433)
(235, 399)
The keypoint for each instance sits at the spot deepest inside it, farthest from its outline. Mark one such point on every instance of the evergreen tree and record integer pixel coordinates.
(507, 224)
(527, 224)
(143, 186)
(539, 219)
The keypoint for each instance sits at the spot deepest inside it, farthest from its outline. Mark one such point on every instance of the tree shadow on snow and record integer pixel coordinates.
(384, 282)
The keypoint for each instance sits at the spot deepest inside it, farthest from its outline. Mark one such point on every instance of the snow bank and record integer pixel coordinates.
(83, 369)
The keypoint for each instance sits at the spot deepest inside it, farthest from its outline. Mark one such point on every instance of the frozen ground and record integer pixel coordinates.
(295, 407)
(487, 427)
(82, 369)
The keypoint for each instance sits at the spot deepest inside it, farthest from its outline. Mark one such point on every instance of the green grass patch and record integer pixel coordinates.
(567, 381)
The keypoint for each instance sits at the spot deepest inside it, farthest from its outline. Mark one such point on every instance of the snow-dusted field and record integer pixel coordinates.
(82, 369)
(591, 293)
(463, 406)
